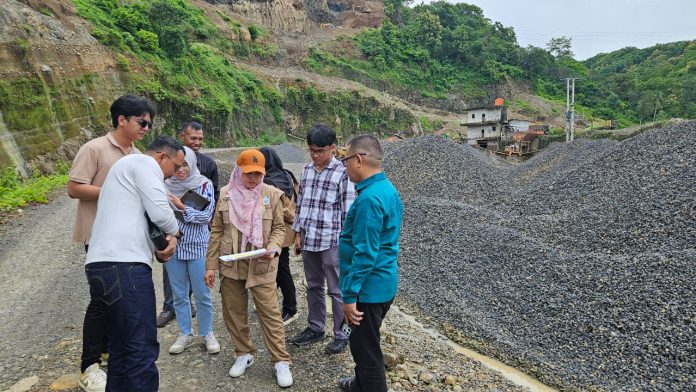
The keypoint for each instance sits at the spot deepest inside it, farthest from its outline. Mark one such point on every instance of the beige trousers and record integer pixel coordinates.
(235, 312)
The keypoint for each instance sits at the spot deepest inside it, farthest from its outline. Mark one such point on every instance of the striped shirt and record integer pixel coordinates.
(323, 200)
(194, 244)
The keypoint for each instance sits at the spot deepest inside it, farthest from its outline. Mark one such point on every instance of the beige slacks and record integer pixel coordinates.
(235, 312)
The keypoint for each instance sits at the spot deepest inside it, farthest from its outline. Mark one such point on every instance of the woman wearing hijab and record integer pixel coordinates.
(186, 269)
(283, 179)
(249, 216)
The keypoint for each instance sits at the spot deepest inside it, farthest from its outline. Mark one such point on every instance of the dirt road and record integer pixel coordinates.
(45, 294)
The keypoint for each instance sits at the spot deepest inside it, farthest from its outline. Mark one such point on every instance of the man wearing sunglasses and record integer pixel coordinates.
(368, 250)
(131, 117)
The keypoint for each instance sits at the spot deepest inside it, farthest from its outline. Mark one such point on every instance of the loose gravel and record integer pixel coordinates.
(576, 265)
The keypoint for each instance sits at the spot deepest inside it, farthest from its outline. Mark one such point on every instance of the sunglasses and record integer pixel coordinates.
(144, 123)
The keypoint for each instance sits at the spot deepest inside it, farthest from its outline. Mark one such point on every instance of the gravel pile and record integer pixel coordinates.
(577, 265)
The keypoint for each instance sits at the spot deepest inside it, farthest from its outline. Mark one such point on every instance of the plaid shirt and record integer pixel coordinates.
(208, 168)
(322, 203)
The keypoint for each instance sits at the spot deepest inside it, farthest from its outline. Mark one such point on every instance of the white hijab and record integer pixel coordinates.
(195, 179)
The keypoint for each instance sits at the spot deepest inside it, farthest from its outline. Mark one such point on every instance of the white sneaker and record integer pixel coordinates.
(241, 365)
(93, 379)
(283, 375)
(182, 343)
(211, 344)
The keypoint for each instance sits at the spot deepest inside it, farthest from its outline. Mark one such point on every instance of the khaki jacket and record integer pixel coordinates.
(225, 239)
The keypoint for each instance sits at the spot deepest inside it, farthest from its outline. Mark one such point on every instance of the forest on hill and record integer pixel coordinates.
(199, 60)
(435, 50)
(441, 48)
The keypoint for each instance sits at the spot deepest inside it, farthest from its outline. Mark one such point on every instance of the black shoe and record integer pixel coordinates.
(337, 346)
(193, 310)
(289, 317)
(164, 318)
(308, 336)
(346, 383)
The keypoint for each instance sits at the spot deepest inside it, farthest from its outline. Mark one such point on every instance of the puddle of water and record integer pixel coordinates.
(515, 376)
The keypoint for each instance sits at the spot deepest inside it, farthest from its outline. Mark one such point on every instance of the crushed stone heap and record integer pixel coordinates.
(577, 265)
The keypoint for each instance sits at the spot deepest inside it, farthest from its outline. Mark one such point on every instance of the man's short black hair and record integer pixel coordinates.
(196, 126)
(367, 144)
(131, 106)
(321, 135)
(165, 143)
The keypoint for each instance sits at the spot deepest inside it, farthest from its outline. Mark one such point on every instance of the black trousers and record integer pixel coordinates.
(370, 375)
(94, 341)
(284, 281)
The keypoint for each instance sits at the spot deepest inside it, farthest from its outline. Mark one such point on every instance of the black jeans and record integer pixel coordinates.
(94, 341)
(370, 375)
(127, 294)
(285, 282)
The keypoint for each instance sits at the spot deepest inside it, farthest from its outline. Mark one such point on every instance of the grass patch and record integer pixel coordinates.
(16, 192)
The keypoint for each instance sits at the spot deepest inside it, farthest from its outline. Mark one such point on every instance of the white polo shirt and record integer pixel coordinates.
(135, 184)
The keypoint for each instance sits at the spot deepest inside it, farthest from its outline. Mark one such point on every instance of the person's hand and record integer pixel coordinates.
(168, 252)
(209, 278)
(177, 202)
(271, 254)
(298, 244)
(351, 314)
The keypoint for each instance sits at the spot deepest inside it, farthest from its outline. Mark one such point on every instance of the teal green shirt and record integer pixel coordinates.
(369, 243)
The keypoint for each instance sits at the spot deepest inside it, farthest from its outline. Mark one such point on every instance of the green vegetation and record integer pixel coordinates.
(16, 192)
(348, 112)
(429, 125)
(657, 82)
(442, 48)
(182, 63)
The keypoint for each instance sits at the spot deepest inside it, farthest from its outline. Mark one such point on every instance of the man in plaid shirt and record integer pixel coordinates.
(324, 197)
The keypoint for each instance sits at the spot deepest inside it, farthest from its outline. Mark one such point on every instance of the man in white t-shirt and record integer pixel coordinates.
(119, 260)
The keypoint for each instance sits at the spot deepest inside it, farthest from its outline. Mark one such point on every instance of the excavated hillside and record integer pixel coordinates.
(57, 80)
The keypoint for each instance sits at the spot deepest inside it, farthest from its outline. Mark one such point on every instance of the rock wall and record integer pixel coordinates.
(56, 81)
(287, 15)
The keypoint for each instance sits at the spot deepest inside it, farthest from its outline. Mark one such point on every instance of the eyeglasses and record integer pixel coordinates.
(344, 161)
(144, 123)
(176, 167)
(318, 151)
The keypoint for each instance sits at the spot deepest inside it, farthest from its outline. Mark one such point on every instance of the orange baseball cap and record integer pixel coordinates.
(251, 160)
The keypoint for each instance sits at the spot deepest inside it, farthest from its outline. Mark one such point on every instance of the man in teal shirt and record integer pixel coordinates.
(368, 248)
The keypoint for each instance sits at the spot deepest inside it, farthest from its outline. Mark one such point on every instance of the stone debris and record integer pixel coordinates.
(577, 265)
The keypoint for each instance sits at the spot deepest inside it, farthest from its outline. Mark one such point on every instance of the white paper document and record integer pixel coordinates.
(244, 255)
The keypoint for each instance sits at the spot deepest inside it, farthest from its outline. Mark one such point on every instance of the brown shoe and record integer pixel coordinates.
(164, 318)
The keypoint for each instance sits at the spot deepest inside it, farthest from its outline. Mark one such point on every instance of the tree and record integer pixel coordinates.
(427, 30)
(560, 47)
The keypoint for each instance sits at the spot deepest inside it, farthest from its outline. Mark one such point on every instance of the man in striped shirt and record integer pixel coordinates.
(324, 197)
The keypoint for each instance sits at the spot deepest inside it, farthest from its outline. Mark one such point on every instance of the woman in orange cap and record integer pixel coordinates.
(249, 216)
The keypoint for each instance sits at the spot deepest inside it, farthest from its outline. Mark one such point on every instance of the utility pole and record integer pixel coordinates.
(567, 112)
(570, 109)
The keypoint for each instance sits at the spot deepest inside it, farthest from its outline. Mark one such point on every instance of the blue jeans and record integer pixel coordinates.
(186, 276)
(128, 296)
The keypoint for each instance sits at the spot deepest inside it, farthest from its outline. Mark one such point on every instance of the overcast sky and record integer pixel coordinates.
(596, 26)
